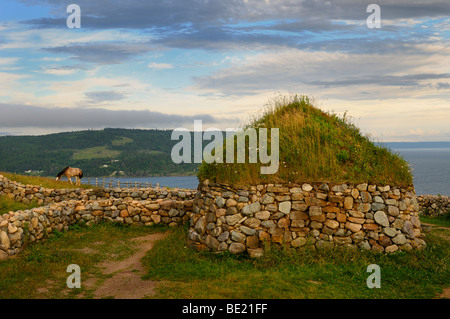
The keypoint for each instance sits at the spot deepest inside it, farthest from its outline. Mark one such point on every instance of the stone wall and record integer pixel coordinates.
(44, 196)
(381, 218)
(433, 205)
(66, 207)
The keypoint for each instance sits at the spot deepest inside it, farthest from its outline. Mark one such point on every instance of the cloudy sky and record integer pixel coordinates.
(163, 64)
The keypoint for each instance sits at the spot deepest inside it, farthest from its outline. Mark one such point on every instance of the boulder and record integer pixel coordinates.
(236, 248)
(381, 218)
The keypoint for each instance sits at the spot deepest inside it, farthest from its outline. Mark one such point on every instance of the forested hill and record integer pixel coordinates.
(130, 152)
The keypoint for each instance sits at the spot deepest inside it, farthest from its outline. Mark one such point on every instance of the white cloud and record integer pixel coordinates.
(8, 61)
(9, 64)
(160, 66)
(349, 76)
(9, 85)
(46, 117)
(53, 71)
(52, 59)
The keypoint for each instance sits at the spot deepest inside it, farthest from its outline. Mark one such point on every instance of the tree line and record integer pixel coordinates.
(141, 153)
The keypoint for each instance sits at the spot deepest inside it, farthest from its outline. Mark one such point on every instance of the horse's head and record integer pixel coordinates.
(61, 173)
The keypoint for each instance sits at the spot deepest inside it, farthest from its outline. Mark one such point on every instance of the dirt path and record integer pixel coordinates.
(436, 226)
(126, 282)
(445, 294)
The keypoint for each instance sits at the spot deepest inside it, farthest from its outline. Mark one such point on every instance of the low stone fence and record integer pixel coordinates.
(27, 226)
(147, 207)
(44, 196)
(381, 218)
(433, 205)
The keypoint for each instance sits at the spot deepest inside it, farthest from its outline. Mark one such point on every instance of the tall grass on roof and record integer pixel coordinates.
(314, 146)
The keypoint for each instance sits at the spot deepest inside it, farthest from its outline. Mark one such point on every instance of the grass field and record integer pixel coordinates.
(7, 204)
(307, 273)
(40, 270)
(121, 141)
(443, 221)
(46, 182)
(97, 152)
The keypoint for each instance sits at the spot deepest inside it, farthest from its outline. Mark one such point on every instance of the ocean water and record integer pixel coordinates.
(430, 168)
(188, 182)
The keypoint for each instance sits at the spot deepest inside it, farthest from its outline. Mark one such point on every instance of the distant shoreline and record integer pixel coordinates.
(402, 145)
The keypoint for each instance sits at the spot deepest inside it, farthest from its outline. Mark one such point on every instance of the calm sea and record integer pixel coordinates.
(431, 170)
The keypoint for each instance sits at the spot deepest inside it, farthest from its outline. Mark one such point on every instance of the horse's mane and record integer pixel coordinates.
(62, 172)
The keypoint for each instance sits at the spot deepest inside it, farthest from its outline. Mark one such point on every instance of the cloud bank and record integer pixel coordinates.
(25, 116)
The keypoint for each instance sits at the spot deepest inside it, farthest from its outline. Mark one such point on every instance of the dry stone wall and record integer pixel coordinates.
(434, 205)
(381, 218)
(66, 207)
(43, 196)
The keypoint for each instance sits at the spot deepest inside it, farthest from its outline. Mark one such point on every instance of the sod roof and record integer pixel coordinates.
(314, 146)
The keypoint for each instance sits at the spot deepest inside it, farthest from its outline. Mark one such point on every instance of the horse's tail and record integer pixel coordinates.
(81, 174)
(62, 172)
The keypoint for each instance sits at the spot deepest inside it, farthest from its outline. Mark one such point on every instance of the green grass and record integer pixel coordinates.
(96, 152)
(287, 273)
(8, 204)
(443, 221)
(40, 270)
(314, 146)
(121, 141)
(45, 182)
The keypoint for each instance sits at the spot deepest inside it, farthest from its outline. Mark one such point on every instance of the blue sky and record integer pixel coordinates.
(162, 64)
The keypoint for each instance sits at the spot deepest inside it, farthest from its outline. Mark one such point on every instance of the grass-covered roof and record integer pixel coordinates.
(314, 146)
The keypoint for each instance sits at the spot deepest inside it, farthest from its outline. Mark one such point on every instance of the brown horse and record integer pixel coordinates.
(71, 172)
